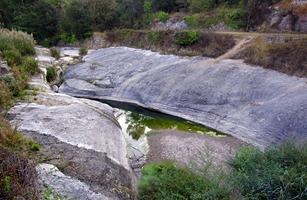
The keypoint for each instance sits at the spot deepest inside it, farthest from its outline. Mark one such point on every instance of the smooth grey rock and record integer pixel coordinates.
(70, 52)
(82, 123)
(257, 105)
(65, 186)
(80, 133)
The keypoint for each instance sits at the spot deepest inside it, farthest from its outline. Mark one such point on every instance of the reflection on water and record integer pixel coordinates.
(136, 125)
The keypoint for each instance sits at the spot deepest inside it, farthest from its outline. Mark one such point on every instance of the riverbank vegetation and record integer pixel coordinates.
(186, 43)
(57, 21)
(17, 172)
(279, 173)
(288, 56)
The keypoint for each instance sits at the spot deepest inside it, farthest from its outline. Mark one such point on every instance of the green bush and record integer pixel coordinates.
(30, 65)
(51, 74)
(83, 51)
(55, 52)
(278, 173)
(235, 18)
(186, 38)
(161, 16)
(191, 21)
(166, 181)
(13, 57)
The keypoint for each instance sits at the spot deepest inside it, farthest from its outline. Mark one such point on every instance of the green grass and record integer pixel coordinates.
(166, 181)
(186, 38)
(51, 74)
(279, 173)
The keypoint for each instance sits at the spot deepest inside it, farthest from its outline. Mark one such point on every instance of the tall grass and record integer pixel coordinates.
(16, 40)
(287, 56)
(279, 173)
(17, 48)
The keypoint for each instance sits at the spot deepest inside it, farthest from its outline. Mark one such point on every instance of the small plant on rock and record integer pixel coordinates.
(83, 51)
(55, 52)
(51, 74)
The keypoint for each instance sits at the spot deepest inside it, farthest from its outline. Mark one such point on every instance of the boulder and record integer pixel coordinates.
(83, 136)
(257, 105)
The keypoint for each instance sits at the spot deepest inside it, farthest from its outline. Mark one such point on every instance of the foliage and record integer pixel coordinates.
(83, 51)
(30, 65)
(51, 74)
(186, 38)
(5, 96)
(208, 44)
(18, 177)
(167, 181)
(191, 21)
(55, 52)
(161, 16)
(279, 173)
(15, 48)
(16, 40)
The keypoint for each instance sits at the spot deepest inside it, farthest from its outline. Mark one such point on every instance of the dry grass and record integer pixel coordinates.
(288, 56)
(18, 177)
(5, 96)
(208, 44)
(17, 172)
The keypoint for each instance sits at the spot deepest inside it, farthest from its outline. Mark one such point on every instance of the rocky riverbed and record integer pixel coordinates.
(91, 150)
(256, 105)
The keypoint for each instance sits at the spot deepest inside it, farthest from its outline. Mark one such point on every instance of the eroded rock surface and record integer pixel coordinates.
(79, 136)
(256, 105)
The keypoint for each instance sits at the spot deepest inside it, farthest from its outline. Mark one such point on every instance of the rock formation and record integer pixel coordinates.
(257, 105)
(79, 136)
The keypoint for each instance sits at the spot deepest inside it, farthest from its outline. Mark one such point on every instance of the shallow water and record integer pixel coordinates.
(137, 124)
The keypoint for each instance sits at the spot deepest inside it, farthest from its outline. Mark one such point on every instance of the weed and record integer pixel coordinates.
(51, 74)
(7, 184)
(55, 52)
(161, 16)
(83, 51)
(30, 65)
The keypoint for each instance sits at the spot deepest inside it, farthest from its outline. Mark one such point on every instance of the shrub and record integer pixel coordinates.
(278, 173)
(51, 74)
(22, 42)
(30, 65)
(191, 21)
(13, 57)
(162, 16)
(18, 177)
(83, 51)
(55, 52)
(186, 38)
(5, 96)
(166, 181)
